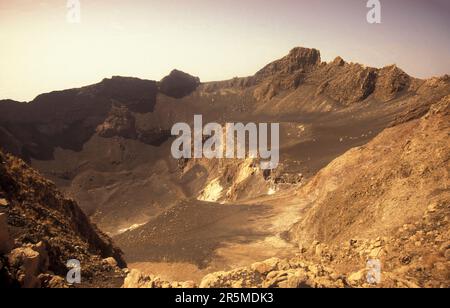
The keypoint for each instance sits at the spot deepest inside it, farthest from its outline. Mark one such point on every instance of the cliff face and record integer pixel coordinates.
(46, 230)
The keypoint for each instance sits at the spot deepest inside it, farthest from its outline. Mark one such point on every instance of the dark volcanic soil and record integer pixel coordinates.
(191, 232)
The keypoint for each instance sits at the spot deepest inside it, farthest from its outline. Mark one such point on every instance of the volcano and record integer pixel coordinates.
(343, 130)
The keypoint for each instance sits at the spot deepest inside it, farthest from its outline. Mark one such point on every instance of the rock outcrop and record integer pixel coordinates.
(120, 122)
(178, 84)
(298, 59)
(347, 83)
(391, 81)
(29, 261)
(136, 94)
(286, 73)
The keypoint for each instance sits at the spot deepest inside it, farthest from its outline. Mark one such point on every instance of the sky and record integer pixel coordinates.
(40, 51)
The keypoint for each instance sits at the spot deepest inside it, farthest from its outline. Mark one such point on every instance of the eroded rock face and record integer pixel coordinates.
(120, 122)
(390, 82)
(303, 59)
(272, 86)
(178, 84)
(286, 73)
(347, 83)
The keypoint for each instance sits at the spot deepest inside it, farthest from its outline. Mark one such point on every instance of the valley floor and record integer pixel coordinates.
(248, 233)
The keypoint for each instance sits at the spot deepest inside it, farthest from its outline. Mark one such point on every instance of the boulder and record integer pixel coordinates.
(52, 281)
(29, 264)
(110, 261)
(298, 280)
(262, 267)
(3, 203)
(137, 280)
(357, 277)
(212, 280)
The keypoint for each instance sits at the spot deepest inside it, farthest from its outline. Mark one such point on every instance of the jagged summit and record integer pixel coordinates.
(338, 61)
(69, 118)
(299, 58)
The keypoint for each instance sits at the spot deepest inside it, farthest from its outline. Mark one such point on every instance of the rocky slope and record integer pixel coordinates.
(389, 181)
(40, 231)
(388, 199)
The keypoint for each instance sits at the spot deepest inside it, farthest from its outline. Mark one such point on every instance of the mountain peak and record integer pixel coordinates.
(302, 55)
(178, 84)
(298, 59)
(338, 61)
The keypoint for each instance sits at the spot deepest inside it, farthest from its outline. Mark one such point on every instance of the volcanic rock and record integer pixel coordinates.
(30, 261)
(298, 59)
(120, 122)
(178, 84)
(390, 82)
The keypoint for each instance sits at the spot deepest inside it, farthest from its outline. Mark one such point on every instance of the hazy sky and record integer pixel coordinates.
(40, 51)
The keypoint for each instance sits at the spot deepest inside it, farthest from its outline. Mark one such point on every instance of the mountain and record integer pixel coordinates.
(107, 146)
